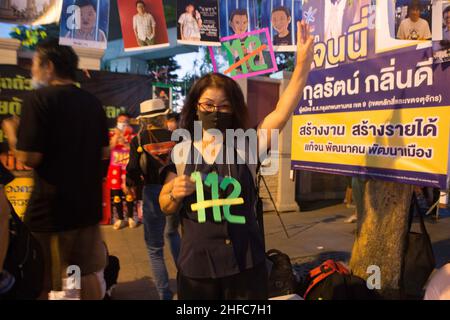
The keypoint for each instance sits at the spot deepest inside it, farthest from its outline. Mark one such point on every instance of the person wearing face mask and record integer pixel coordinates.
(149, 153)
(120, 139)
(63, 136)
(222, 251)
(87, 30)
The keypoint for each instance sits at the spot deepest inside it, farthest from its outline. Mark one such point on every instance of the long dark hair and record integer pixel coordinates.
(232, 92)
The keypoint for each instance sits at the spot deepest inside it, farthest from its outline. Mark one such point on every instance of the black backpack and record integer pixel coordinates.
(332, 281)
(25, 261)
(281, 278)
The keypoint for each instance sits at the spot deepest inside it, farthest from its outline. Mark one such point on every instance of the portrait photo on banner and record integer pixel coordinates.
(413, 19)
(198, 22)
(143, 24)
(37, 12)
(280, 17)
(84, 23)
(164, 92)
(441, 31)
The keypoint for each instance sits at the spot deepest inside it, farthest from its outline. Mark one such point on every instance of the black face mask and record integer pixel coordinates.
(216, 120)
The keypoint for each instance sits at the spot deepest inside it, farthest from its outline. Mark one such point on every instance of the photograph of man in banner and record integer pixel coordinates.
(143, 24)
(413, 19)
(280, 17)
(85, 23)
(446, 22)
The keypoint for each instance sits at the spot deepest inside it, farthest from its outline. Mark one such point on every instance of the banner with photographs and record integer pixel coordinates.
(279, 16)
(198, 22)
(85, 23)
(164, 92)
(391, 130)
(143, 24)
(36, 12)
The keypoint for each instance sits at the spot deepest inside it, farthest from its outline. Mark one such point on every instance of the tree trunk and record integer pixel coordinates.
(383, 211)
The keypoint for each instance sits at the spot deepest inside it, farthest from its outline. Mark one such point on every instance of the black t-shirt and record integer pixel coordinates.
(5, 176)
(68, 126)
(156, 146)
(282, 41)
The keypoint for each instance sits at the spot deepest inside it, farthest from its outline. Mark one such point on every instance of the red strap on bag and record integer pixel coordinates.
(323, 271)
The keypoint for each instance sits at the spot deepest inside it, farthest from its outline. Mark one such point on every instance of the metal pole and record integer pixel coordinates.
(273, 202)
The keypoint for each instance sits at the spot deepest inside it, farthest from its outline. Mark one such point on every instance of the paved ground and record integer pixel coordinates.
(313, 237)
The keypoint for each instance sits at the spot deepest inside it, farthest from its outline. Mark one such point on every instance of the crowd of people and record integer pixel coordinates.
(63, 135)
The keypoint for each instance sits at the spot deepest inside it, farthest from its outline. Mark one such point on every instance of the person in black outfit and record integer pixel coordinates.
(222, 254)
(149, 153)
(63, 136)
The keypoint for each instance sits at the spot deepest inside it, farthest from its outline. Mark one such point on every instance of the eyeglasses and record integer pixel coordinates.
(210, 107)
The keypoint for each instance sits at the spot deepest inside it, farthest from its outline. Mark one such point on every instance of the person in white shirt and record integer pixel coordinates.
(144, 26)
(414, 27)
(190, 24)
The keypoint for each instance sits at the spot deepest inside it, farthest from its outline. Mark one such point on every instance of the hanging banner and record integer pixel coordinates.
(384, 115)
(36, 12)
(198, 22)
(85, 23)
(143, 24)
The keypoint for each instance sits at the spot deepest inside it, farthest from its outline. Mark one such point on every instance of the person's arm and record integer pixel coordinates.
(30, 159)
(291, 97)
(198, 17)
(116, 138)
(174, 191)
(134, 172)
